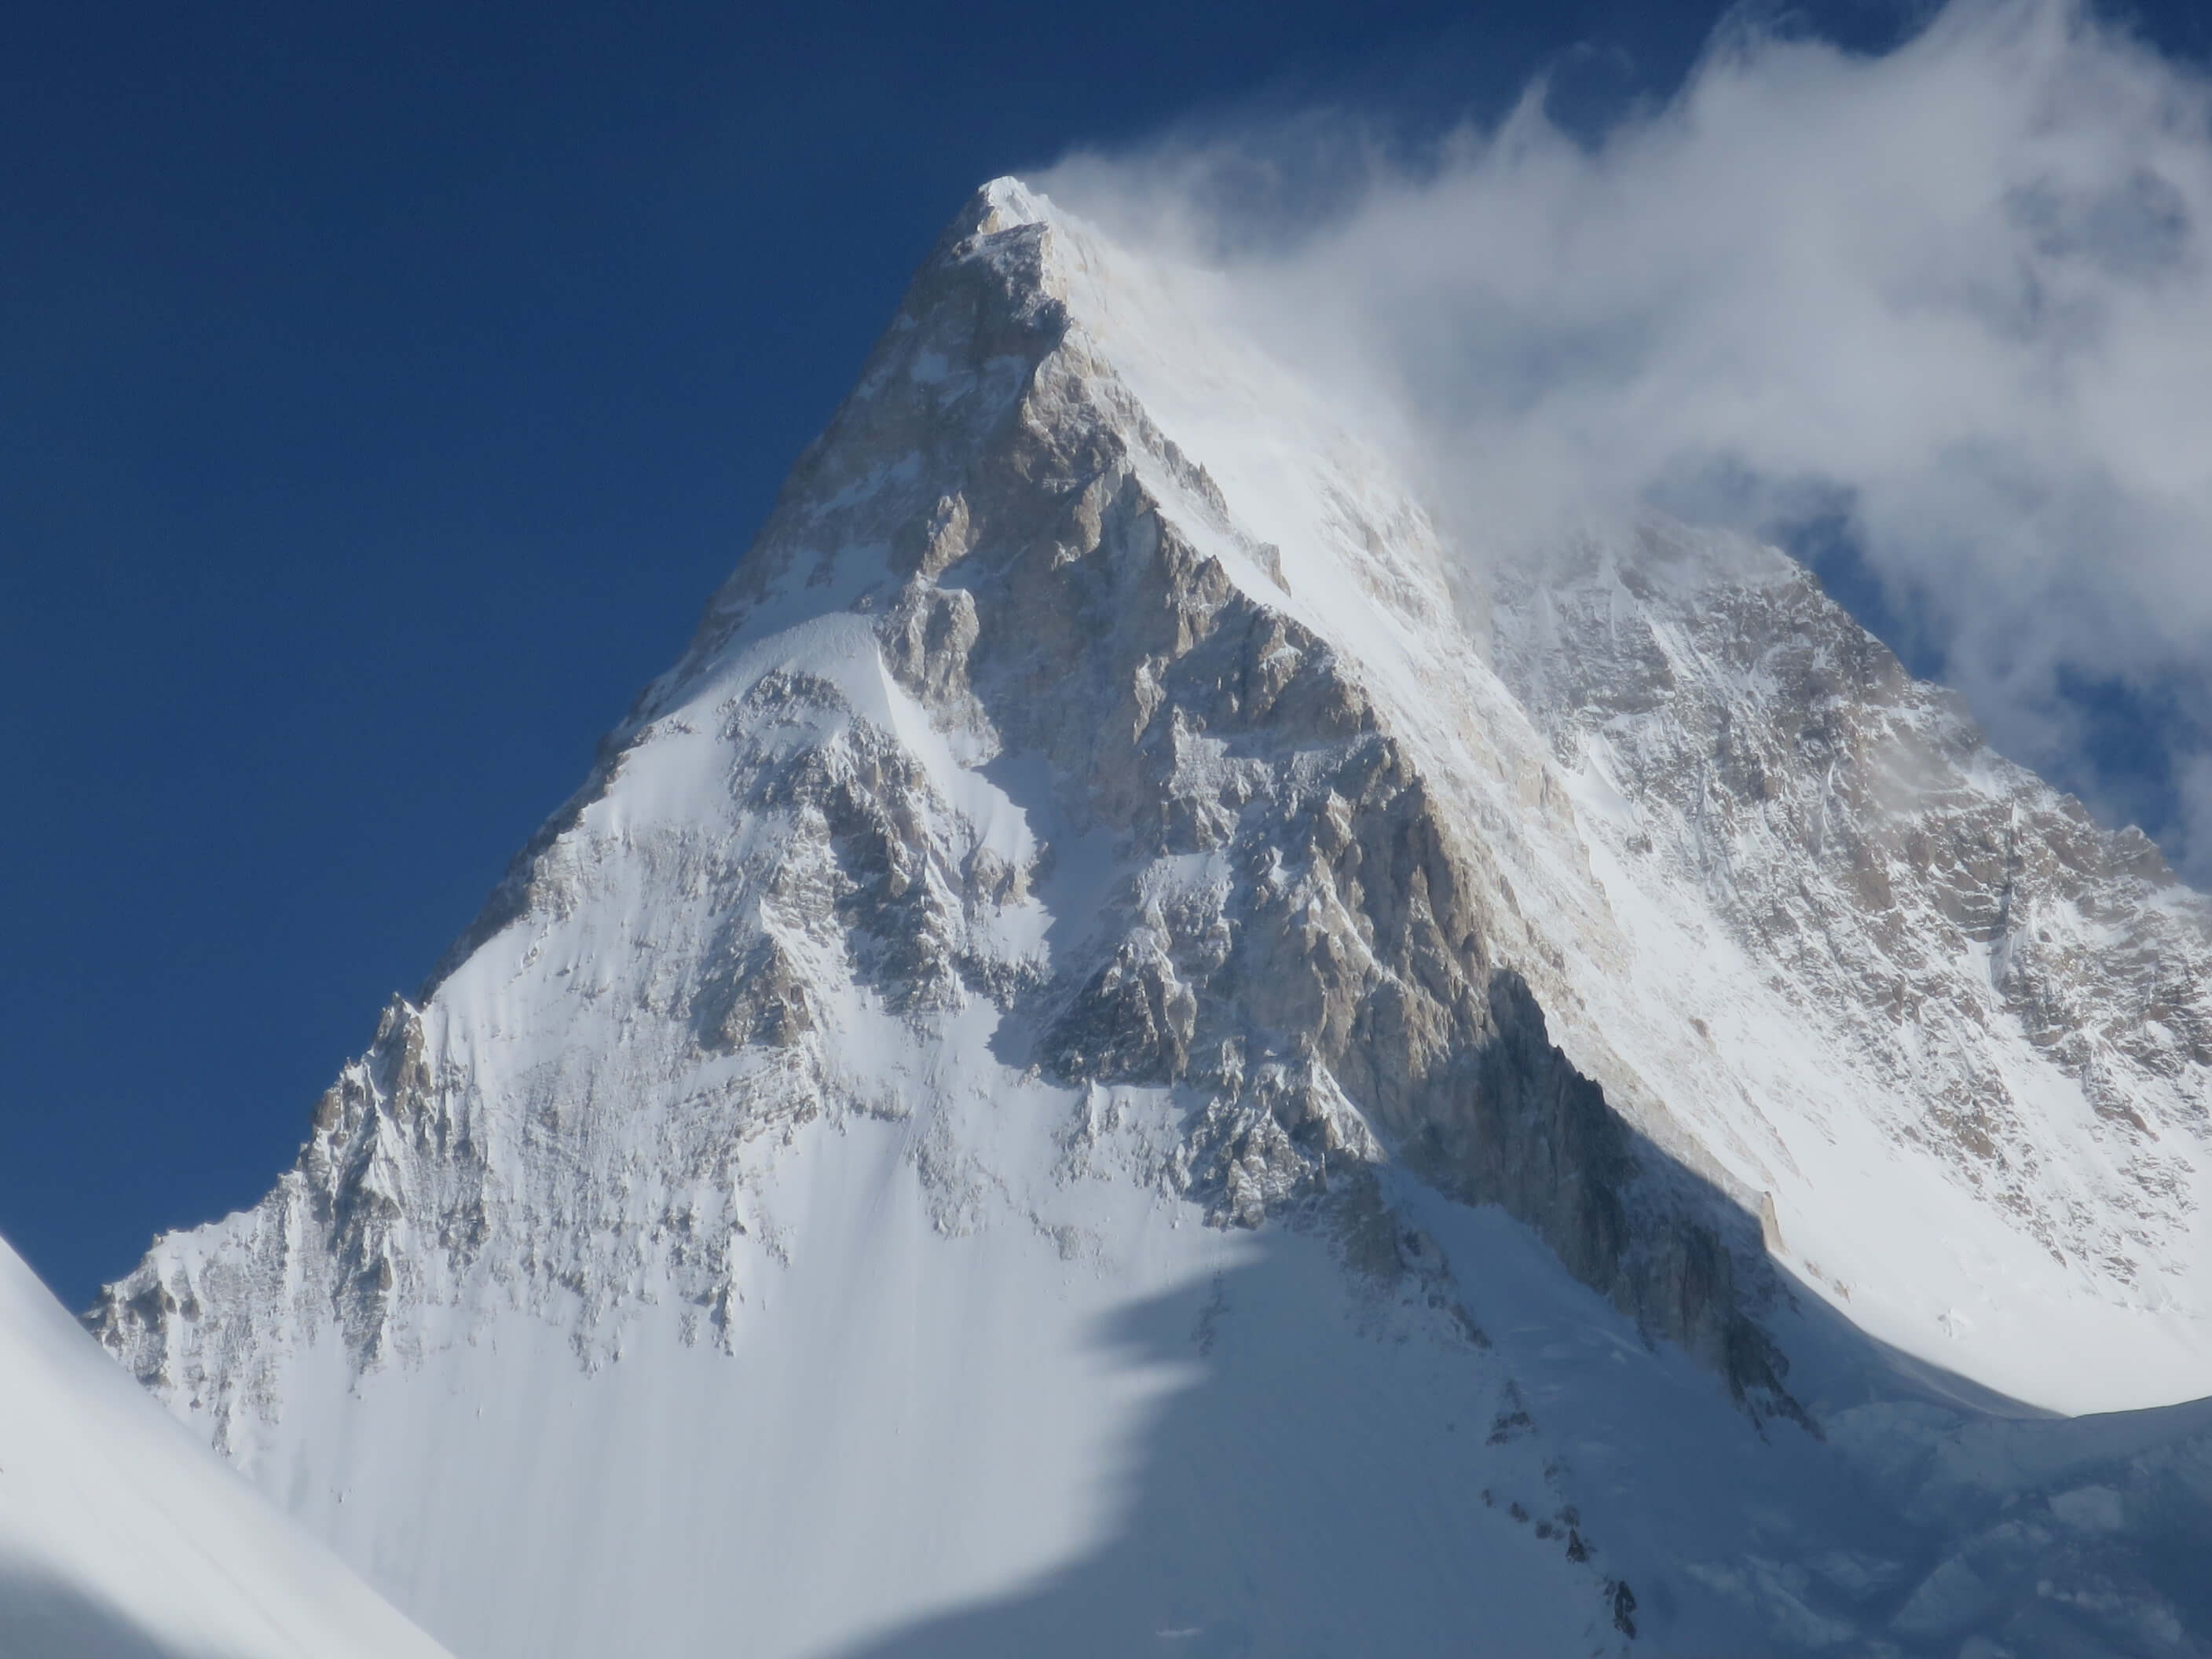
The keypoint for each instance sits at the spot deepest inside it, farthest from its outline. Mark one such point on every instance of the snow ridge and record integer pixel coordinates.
(119, 1535)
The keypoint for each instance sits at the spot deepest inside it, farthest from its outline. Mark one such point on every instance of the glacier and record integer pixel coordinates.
(1134, 1051)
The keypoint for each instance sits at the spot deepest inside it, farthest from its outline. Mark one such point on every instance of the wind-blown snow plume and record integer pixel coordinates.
(1956, 293)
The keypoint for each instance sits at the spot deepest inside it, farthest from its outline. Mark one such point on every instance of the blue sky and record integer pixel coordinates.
(387, 388)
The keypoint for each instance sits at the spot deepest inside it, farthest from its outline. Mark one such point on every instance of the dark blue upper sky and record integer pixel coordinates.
(385, 389)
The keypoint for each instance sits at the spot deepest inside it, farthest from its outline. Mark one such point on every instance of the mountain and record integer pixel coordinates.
(122, 1538)
(1135, 1053)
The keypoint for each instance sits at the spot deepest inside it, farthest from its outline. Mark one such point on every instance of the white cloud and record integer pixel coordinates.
(1963, 287)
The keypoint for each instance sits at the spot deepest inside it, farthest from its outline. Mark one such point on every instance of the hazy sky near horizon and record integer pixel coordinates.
(388, 388)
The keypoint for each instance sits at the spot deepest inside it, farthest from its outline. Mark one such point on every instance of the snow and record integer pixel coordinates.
(121, 1534)
(913, 1425)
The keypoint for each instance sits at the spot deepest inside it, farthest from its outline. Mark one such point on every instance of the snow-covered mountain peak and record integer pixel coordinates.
(1110, 898)
(1006, 202)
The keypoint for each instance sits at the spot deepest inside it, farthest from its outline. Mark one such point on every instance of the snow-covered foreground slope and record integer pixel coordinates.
(121, 1537)
(1126, 1056)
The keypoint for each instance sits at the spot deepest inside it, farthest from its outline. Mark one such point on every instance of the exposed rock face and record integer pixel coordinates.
(1100, 806)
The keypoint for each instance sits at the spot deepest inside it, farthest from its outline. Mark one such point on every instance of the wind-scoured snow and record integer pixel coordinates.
(122, 1537)
(1132, 1054)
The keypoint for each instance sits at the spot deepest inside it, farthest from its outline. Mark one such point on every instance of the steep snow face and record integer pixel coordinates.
(1950, 1036)
(121, 1534)
(1121, 1047)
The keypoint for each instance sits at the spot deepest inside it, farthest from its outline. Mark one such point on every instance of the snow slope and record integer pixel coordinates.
(121, 1535)
(1125, 1055)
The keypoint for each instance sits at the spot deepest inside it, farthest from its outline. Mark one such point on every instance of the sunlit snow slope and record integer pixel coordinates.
(1130, 1054)
(121, 1535)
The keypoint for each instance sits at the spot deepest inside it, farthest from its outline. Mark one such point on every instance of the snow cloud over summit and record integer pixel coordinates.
(1955, 299)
